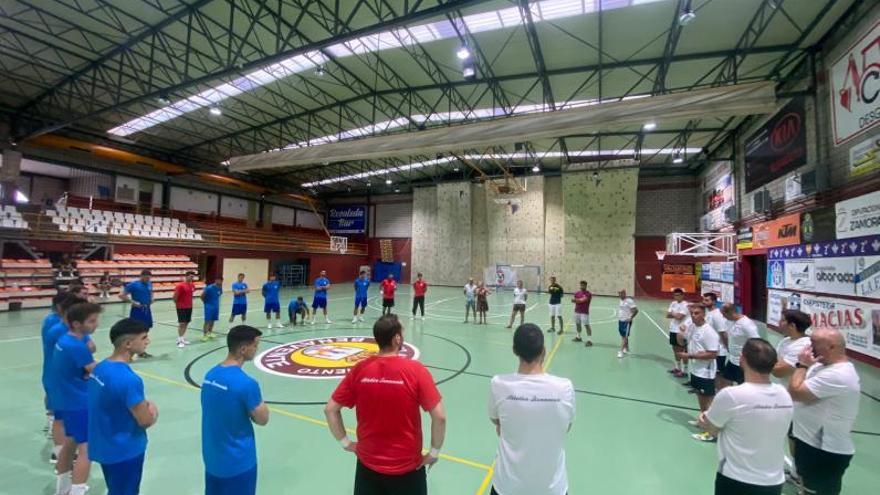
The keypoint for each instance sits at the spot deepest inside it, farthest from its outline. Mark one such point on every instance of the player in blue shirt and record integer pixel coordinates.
(211, 298)
(71, 364)
(53, 328)
(231, 401)
(297, 307)
(271, 302)
(322, 285)
(140, 294)
(119, 414)
(239, 299)
(361, 286)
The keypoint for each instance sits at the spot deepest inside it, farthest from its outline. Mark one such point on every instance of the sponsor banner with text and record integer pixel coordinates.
(867, 277)
(347, 219)
(858, 216)
(854, 103)
(722, 290)
(780, 232)
(864, 157)
(857, 246)
(777, 147)
(672, 281)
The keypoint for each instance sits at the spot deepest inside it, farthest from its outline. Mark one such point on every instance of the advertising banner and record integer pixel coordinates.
(818, 225)
(776, 274)
(864, 157)
(778, 147)
(799, 275)
(777, 301)
(718, 196)
(347, 219)
(857, 246)
(722, 290)
(854, 79)
(744, 238)
(783, 231)
(867, 278)
(859, 216)
(672, 281)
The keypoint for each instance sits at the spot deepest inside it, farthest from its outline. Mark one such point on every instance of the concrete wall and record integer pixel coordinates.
(441, 242)
(666, 204)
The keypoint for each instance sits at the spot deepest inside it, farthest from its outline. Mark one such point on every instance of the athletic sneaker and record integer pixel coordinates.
(679, 374)
(312, 322)
(354, 320)
(360, 318)
(693, 422)
(673, 371)
(422, 317)
(577, 339)
(180, 344)
(205, 337)
(552, 330)
(278, 324)
(412, 317)
(327, 320)
(704, 437)
(619, 354)
(589, 343)
(270, 326)
(559, 332)
(53, 459)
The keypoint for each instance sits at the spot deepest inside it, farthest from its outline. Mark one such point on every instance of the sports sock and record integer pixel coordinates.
(79, 489)
(62, 483)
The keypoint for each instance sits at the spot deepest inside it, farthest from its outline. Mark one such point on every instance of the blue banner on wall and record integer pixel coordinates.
(347, 219)
(857, 246)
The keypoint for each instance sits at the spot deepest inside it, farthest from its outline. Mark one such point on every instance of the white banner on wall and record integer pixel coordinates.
(867, 277)
(859, 216)
(126, 189)
(799, 275)
(854, 83)
(723, 290)
(858, 321)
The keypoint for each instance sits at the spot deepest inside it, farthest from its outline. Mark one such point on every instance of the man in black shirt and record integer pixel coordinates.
(555, 290)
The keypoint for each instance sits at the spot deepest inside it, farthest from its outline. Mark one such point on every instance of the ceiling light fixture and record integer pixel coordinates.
(388, 181)
(216, 111)
(463, 53)
(397, 190)
(678, 159)
(649, 126)
(320, 70)
(468, 72)
(536, 168)
(455, 169)
(687, 15)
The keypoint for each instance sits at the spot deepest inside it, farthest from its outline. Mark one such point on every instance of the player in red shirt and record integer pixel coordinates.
(420, 287)
(386, 391)
(388, 287)
(581, 300)
(183, 301)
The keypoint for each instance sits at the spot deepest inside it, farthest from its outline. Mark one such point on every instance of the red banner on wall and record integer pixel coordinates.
(672, 281)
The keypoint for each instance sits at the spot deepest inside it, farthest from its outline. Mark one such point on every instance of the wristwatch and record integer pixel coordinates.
(802, 366)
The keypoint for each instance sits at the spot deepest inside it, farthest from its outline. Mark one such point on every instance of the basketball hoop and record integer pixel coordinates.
(660, 255)
(339, 244)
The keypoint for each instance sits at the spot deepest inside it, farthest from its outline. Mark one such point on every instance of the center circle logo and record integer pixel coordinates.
(322, 358)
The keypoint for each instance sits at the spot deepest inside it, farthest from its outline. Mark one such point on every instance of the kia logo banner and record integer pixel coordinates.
(855, 88)
(778, 147)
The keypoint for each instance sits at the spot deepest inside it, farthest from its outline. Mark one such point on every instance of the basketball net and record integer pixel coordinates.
(660, 255)
(339, 244)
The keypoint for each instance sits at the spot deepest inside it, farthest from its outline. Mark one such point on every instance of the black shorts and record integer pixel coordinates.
(821, 471)
(673, 340)
(519, 307)
(703, 386)
(733, 373)
(184, 315)
(728, 486)
(720, 362)
(387, 303)
(369, 482)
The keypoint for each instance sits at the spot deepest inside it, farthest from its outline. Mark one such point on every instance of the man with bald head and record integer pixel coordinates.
(825, 388)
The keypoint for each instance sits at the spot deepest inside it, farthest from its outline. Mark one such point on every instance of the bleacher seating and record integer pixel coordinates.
(10, 218)
(29, 283)
(115, 223)
(167, 271)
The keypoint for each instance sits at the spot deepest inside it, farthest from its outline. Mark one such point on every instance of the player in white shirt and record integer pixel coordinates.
(702, 347)
(750, 421)
(741, 329)
(826, 389)
(470, 299)
(677, 312)
(719, 324)
(794, 324)
(626, 311)
(520, 295)
(532, 412)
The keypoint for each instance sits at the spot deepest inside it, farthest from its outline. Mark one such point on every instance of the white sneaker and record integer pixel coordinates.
(626, 351)
(360, 318)
(619, 354)
(354, 320)
(693, 422)
(270, 326)
(312, 322)
(186, 342)
(278, 324)
(180, 344)
(327, 320)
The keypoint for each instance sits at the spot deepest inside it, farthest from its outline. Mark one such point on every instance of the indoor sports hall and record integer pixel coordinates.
(629, 167)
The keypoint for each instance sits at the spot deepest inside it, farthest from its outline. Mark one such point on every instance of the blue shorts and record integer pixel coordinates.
(360, 302)
(623, 328)
(239, 309)
(319, 303)
(124, 478)
(76, 424)
(212, 313)
(242, 484)
(272, 307)
(143, 314)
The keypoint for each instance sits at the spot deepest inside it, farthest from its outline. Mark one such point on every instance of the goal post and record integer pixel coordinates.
(505, 276)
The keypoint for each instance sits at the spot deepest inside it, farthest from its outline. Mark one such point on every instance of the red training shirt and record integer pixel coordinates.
(386, 393)
(388, 288)
(583, 308)
(183, 295)
(420, 287)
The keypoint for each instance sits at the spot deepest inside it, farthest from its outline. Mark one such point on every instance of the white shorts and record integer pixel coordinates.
(555, 310)
(581, 318)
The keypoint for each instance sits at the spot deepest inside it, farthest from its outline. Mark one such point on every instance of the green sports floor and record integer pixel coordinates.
(630, 435)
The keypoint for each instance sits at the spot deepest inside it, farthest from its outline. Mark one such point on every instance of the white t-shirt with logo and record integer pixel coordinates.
(788, 350)
(719, 324)
(519, 295)
(625, 309)
(702, 338)
(738, 334)
(535, 412)
(677, 307)
(754, 419)
(827, 422)
(469, 291)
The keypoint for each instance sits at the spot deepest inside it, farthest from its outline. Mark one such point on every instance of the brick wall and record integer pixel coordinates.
(665, 205)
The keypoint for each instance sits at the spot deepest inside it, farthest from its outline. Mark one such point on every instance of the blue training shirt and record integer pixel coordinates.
(293, 307)
(114, 434)
(360, 288)
(229, 395)
(48, 336)
(140, 292)
(239, 298)
(68, 380)
(212, 294)
(270, 291)
(319, 283)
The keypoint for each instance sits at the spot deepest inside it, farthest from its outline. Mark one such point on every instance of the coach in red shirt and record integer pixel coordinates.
(183, 301)
(388, 287)
(420, 287)
(386, 392)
